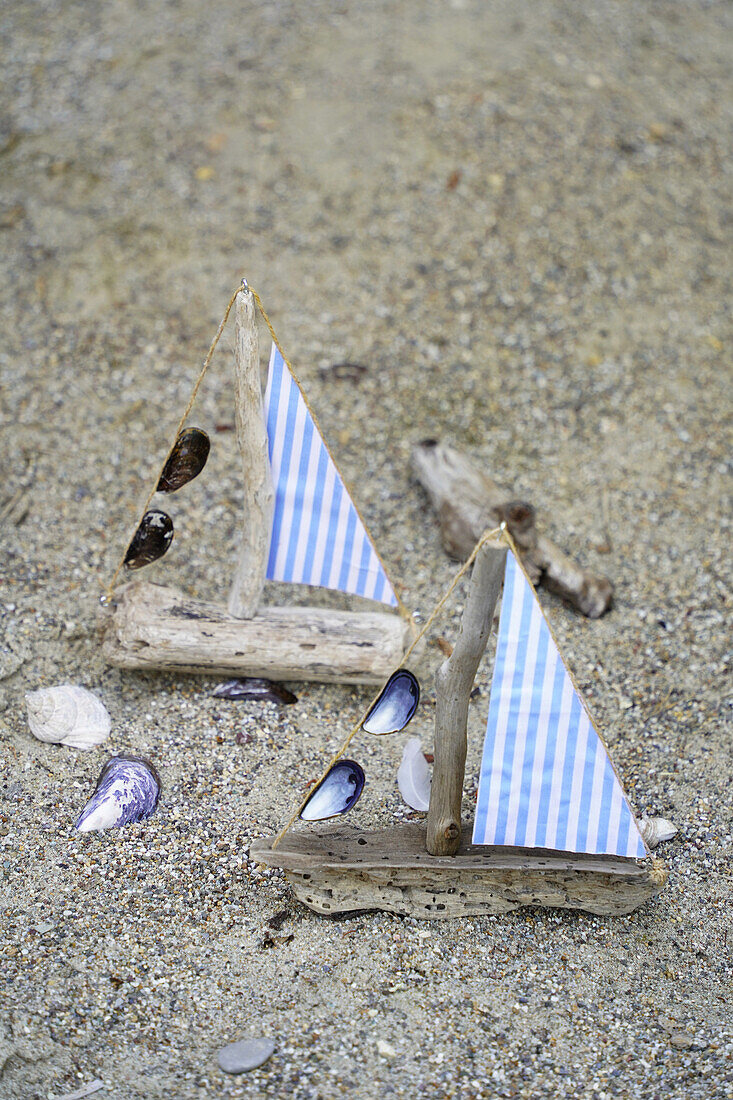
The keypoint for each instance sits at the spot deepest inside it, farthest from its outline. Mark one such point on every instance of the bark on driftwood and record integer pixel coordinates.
(453, 683)
(334, 869)
(468, 502)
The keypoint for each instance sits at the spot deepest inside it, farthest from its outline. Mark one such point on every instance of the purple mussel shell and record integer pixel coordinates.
(337, 793)
(396, 706)
(127, 790)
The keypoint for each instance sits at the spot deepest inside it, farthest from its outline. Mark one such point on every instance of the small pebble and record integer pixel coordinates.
(384, 1050)
(682, 1040)
(245, 1055)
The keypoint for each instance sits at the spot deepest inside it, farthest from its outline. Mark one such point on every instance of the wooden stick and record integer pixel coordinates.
(453, 683)
(467, 502)
(248, 582)
(334, 869)
(153, 627)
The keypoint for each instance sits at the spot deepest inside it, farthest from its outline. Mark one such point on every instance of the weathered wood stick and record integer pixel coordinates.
(259, 498)
(453, 683)
(154, 627)
(337, 870)
(467, 502)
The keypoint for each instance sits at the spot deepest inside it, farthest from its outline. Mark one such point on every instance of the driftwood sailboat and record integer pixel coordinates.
(552, 824)
(301, 526)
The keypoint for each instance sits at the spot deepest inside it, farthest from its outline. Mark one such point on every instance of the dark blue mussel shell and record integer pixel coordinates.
(337, 793)
(186, 460)
(151, 540)
(396, 706)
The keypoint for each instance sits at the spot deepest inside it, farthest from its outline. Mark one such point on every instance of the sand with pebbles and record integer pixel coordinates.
(518, 218)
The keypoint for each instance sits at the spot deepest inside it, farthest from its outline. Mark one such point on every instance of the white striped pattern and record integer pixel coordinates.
(317, 536)
(546, 779)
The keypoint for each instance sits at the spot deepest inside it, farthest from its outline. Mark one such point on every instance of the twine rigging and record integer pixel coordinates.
(209, 355)
(486, 537)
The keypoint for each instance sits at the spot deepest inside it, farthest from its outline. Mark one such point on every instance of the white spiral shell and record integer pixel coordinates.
(68, 715)
(656, 830)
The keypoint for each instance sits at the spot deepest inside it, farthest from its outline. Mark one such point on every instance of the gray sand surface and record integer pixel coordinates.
(518, 217)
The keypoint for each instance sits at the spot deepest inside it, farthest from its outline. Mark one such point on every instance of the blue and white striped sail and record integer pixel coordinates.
(317, 536)
(546, 779)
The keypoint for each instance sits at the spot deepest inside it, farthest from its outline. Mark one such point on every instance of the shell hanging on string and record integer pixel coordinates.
(127, 790)
(396, 705)
(151, 540)
(67, 715)
(186, 460)
(413, 776)
(655, 830)
(337, 793)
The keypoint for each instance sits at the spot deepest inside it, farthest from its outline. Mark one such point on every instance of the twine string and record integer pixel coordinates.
(486, 537)
(209, 356)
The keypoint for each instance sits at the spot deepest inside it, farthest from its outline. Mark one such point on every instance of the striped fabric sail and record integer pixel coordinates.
(546, 779)
(317, 536)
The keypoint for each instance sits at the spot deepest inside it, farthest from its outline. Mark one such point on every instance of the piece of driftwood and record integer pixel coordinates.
(333, 870)
(468, 502)
(248, 582)
(155, 627)
(453, 683)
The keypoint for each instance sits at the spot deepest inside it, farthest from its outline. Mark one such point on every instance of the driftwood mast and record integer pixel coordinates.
(248, 582)
(453, 683)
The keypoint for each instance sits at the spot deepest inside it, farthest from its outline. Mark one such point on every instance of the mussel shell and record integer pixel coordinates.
(337, 793)
(186, 460)
(396, 706)
(151, 540)
(127, 790)
(254, 687)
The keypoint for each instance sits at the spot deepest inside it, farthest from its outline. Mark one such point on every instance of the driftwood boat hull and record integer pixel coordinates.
(155, 627)
(334, 870)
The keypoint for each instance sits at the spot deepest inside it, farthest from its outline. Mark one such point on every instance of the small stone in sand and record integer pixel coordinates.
(245, 1055)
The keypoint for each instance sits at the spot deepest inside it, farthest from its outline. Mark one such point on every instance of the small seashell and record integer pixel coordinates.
(186, 460)
(253, 687)
(396, 705)
(151, 540)
(67, 715)
(655, 830)
(127, 790)
(337, 793)
(413, 776)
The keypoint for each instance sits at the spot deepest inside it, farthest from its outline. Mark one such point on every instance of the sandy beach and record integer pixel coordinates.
(517, 218)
